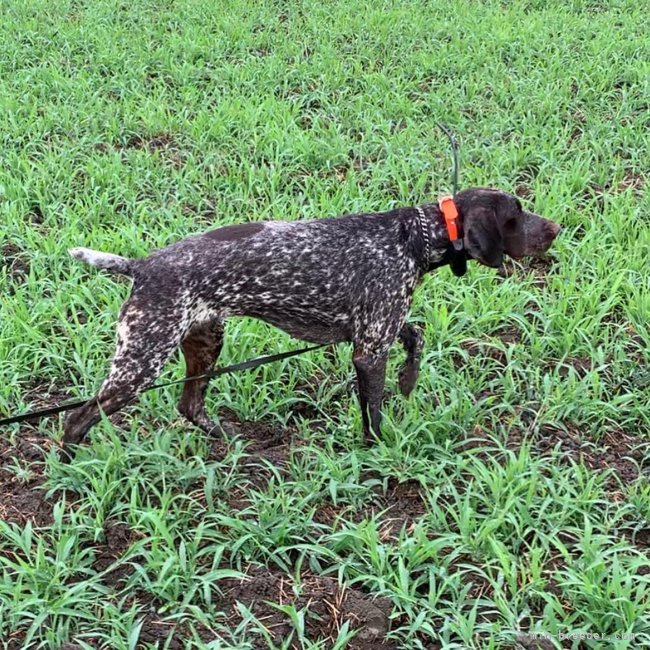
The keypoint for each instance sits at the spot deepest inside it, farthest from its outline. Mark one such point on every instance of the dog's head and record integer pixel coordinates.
(494, 224)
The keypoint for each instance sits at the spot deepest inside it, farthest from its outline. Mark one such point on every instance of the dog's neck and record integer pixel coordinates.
(432, 237)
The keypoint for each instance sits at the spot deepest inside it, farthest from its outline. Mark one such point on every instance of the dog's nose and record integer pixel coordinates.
(554, 228)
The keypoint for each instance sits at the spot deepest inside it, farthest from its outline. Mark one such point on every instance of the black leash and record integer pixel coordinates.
(457, 261)
(453, 141)
(456, 253)
(225, 370)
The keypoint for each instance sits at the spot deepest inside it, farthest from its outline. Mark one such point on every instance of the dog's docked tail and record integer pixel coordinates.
(106, 261)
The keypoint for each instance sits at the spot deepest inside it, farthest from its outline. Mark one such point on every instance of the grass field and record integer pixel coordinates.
(509, 495)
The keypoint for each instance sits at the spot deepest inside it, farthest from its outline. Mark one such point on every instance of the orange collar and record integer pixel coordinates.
(452, 220)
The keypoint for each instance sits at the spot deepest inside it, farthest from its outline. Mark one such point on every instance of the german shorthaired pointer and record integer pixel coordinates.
(349, 278)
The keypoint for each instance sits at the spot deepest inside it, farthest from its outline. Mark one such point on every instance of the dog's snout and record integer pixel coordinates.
(553, 228)
(540, 233)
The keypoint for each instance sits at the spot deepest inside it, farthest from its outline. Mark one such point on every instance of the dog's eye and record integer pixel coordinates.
(510, 224)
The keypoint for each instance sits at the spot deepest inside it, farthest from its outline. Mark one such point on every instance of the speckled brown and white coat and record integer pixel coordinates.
(331, 280)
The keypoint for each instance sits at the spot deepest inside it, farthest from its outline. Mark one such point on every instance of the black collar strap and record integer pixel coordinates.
(456, 253)
(457, 260)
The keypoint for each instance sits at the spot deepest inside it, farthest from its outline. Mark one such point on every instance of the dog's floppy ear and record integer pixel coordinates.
(482, 238)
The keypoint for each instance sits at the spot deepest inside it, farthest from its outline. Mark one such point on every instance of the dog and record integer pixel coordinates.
(342, 279)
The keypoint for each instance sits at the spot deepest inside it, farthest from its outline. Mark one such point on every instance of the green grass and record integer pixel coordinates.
(126, 126)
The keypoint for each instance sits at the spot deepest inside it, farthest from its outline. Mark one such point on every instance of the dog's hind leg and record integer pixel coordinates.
(201, 348)
(145, 341)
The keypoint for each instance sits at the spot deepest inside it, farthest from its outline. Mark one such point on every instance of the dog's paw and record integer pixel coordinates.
(408, 377)
(225, 429)
(214, 428)
(65, 453)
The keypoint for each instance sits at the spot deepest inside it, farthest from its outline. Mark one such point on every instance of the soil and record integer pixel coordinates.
(267, 444)
(23, 500)
(640, 537)
(621, 452)
(35, 215)
(485, 347)
(14, 259)
(118, 538)
(401, 507)
(581, 366)
(151, 143)
(156, 631)
(329, 607)
(631, 181)
(264, 443)
(163, 143)
(539, 267)
(523, 190)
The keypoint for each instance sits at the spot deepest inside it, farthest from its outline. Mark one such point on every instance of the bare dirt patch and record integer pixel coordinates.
(14, 260)
(156, 631)
(328, 605)
(163, 144)
(523, 190)
(21, 497)
(581, 366)
(622, 452)
(631, 181)
(158, 142)
(539, 267)
(490, 346)
(404, 505)
(118, 538)
(625, 454)
(265, 444)
(400, 508)
(22, 464)
(35, 215)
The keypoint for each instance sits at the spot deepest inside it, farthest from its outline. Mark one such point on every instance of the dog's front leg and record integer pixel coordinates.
(371, 375)
(413, 342)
